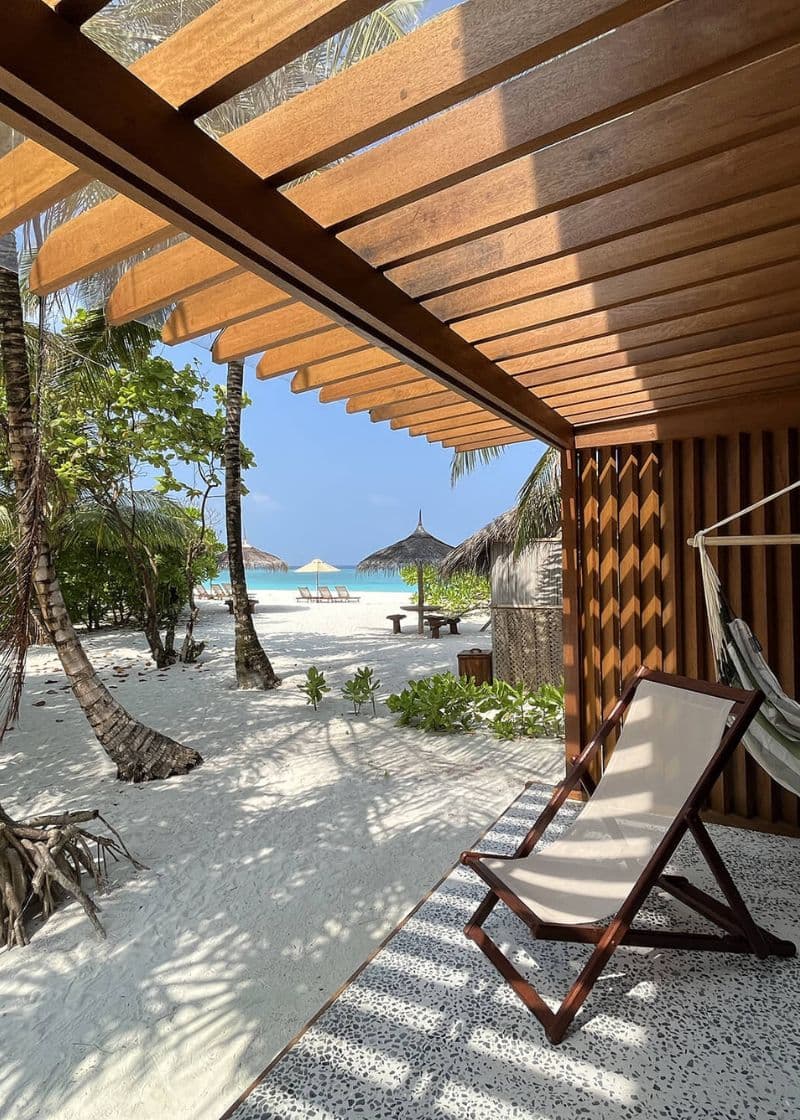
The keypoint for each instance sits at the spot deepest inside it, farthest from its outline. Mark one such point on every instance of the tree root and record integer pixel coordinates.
(43, 861)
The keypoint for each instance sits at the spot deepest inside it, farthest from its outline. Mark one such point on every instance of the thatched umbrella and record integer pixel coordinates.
(418, 550)
(257, 558)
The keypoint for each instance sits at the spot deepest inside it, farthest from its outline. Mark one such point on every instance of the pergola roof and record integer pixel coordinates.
(547, 219)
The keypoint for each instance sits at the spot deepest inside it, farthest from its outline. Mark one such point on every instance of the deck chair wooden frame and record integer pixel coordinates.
(740, 934)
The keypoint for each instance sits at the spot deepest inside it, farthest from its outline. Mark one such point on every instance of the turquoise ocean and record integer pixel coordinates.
(258, 580)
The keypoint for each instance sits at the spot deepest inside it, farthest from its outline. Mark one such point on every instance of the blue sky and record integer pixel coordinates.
(338, 486)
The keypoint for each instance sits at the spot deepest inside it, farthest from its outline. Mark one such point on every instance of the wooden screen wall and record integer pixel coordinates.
(638, 582)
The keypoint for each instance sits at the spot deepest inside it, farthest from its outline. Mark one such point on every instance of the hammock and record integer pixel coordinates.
(773, 737)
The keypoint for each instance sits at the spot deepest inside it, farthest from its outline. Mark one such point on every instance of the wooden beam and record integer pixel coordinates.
(746, 413)
(229, 302)
(659, 309)
(467, 431)
(291, 356)
(768, 163)
(672, 131)
(686, 271)
(343, 369)
(427, 415)
(628, 370)
(420, 405)
(651, 247)
(717, 327)
(223, 51)
(438, 427)
(57, 85)
(293, 320)
(393, 377)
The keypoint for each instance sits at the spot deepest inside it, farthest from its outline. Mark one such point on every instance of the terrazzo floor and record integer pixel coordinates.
(428, 1030)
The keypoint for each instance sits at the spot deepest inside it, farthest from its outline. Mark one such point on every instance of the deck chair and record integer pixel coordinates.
(677, 735)
(305, 596)
(345, 595)
(218, 592)
(326, 596)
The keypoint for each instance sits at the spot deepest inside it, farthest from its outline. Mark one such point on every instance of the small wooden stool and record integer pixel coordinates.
(453, 623)
(395, 620)
(436, 622)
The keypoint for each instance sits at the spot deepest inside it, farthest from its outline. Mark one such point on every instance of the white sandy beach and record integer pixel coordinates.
(274, 869)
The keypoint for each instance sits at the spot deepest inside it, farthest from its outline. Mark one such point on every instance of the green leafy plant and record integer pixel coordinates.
(447, 703)
(465, 591)
(314, 686)
(361, 689)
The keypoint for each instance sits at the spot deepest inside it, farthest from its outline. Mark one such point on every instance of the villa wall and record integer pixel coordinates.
(636, 583)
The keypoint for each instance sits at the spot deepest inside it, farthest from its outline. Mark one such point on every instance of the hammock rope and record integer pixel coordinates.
(773, 738)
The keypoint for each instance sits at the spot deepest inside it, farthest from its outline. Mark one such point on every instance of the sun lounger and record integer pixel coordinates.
(346, 597)
(673, 746)
(201, 593)
(218, 592)
(326, 595)
(305, 596)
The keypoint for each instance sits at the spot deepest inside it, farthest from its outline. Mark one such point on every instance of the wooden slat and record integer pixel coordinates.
(571, 495)
(669, 308)
(753, 168)
(741, 414)
(764, 380)
(671, 554)
(419, 406)
(477, 423)
(424, 390)
(352, 388)
(56, 84)
(343, 368)
(284, 324)
(467, 431)
(423, 72)
(686, 348)
(31, 170)
(226, 303)
(608, 538)
(290, 356)
(630, 616)
(581, 88)
(464, 50)
(174, 273)
(650, 557)
(687, 271)
(720, 797)
(685, 235)
(495, 441)
(426, 414)
(215, 56)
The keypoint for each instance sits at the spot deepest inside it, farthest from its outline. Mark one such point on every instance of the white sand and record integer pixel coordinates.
(275, 868)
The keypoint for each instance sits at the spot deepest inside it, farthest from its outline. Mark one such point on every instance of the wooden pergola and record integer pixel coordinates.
(576, 220)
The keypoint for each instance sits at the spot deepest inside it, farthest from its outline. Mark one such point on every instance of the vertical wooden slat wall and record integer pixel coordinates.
(638, 583)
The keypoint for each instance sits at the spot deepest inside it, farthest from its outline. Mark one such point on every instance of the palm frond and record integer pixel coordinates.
(156, 522)
(539, 501)
(465, 462)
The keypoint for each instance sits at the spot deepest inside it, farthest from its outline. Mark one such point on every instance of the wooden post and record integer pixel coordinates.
(573, 683)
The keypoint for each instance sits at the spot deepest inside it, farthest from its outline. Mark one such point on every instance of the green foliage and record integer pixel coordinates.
(461, 593)
(361, 689)
(447, 703)
(314, 686)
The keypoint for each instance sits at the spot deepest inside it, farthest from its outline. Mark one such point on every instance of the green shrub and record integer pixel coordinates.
(314, 686)
(463, 592)
(447, 703)
(361, 689)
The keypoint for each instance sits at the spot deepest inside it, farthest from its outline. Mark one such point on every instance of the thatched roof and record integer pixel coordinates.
(474, 554)
(257, 558)
(418, 548)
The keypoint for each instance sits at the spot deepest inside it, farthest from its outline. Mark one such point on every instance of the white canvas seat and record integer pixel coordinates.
(588, 886)
(668, 738)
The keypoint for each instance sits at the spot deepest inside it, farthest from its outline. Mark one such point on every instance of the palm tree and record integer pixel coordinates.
(539, 498)
(139, 753)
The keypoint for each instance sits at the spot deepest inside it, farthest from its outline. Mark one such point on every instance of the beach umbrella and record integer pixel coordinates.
(317, 565)
(257, 558)
(416, 550)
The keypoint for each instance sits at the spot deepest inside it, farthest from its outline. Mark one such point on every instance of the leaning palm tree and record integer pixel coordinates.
(138, 752)
(539, 498)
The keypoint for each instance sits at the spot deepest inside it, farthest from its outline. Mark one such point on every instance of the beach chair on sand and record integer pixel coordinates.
(677, 735)
(218, 592)
(305, 596)
(326, 596)
(345, 595)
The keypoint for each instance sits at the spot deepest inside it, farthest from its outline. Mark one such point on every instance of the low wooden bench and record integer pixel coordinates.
(395, 620)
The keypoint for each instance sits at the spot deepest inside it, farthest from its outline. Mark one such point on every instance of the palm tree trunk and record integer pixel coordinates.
(139, 753)
(253, 667)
